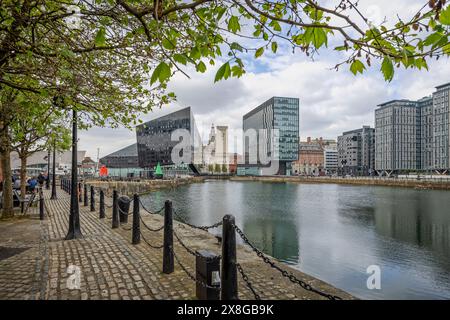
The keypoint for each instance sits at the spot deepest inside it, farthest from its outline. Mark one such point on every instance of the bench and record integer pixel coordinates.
(28, 200)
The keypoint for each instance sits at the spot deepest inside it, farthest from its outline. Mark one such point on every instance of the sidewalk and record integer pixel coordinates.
(112, 268)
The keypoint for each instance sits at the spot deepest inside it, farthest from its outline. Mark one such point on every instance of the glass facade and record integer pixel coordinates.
(281, 114)
(154, 139)
(124, 158)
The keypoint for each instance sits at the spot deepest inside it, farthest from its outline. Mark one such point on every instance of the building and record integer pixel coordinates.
(440, 123)
(330, 159)
(356, 151)
(310, 158)
(155, 142)
(271, 137)
(398, 136)
(88, 166)
(215, 152)
(122, 163)
(124, 158)
(38, 161)
(426, 133)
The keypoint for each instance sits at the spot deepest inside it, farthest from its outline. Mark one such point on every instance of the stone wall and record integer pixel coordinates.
(131, 187)
(391, 182)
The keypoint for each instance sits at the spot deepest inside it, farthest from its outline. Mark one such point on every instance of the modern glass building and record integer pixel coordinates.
(155, 144)
(276, 125)
(123, 158)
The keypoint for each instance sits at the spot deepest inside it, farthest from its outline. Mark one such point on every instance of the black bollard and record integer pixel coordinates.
(229, 288)
(85, 195)
(115, 212)
(69, 186)
(102, 204)
(123, 203)
(41, 205)
(80, 197)
(168, 238)
(207, 266)
(92, 198)
(136, 231)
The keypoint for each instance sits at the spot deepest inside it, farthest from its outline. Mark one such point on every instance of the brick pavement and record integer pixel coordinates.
(112, 268)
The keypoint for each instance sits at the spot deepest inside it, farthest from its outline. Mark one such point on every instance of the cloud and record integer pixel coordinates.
(330, 102)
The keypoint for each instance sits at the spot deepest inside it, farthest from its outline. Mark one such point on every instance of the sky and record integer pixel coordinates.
(331, 102)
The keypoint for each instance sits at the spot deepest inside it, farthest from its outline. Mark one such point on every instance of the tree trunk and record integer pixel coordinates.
(23, 175)
(6, 168)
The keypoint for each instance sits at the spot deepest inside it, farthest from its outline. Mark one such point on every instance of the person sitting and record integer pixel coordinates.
(32, 183)
(41, 179)
(16, 184)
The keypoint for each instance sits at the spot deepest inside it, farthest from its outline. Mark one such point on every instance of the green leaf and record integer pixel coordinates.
(100, 38)
(168, 44)
(432, 39)
(161, 73)
(233, 24)
(237, 71)
(274, 47)
(357, 66)
(223, 72)
(319, 37)
(201, 67)
(180, 58)
(259, 52)
(387, 68)
(444, 16)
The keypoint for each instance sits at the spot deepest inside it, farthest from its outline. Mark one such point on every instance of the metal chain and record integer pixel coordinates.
(149, 244)
(151, 212)
(123, 212)
(204, 228)
(192, 252)
(247, 281)
(285, 273)
(190, 275)
(150, 229)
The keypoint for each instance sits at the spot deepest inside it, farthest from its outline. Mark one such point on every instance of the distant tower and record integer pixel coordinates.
(222, 144)
(212, 134)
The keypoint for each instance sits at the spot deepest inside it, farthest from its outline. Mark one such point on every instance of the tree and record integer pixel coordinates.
(114, 62)
(224, 168)
(36, 130)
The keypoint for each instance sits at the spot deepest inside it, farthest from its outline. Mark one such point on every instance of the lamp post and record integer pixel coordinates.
(53, 197)
(74, 217)
(47, 182)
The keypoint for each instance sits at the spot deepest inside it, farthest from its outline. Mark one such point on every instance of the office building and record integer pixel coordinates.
(356, 151)
(426, 133)
(123, 158)
(440, 124)
(398, 136)
(330, 159)
(155, 142)
(271, 134)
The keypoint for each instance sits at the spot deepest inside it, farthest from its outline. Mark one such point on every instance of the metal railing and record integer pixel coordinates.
(206, 287)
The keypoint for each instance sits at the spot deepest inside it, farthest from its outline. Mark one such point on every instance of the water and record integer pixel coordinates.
(334, 232)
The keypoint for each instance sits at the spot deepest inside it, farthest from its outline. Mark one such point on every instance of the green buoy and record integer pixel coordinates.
(158, 171)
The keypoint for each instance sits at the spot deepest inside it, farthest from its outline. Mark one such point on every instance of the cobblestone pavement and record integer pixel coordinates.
(112, 268)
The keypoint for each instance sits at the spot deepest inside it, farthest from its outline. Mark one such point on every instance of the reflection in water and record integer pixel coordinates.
(335, 232)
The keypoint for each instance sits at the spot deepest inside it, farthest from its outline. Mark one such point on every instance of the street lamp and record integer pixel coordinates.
(47, 182)
(53, 197)
(74, 231)
(74, 217)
